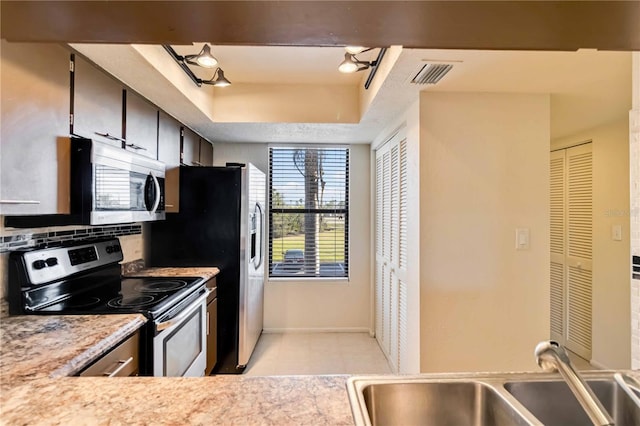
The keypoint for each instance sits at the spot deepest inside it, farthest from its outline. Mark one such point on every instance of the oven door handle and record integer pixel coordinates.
(185, 312)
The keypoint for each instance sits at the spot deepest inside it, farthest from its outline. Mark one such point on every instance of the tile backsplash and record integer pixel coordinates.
(14, 238)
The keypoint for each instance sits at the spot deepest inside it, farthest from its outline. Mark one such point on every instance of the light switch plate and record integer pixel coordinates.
(522, 238)
(616, 232)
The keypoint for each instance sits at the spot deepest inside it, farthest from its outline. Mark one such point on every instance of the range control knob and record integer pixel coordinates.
(52, 261)
(109, 249)
(38, 264)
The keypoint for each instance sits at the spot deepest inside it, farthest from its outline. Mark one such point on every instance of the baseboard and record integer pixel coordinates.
(318, 330)
(598, 365)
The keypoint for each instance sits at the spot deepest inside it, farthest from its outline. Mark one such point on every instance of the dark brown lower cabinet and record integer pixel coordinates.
(212, 326)
(121, 361)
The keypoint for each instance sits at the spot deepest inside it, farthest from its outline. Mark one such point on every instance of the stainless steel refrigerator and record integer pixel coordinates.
(221, 222)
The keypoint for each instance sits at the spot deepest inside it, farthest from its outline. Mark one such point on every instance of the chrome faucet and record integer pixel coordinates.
(551, 357)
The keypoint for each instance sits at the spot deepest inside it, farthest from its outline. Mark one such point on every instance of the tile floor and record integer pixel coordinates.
(328, 353)
(316, 353)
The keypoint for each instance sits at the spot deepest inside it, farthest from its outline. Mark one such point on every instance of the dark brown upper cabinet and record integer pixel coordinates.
(169, 140)
(190, 148)
(34, 151)
(196, 151)
(169, 153)
(97, 103)
(141, 125)
(206, 153)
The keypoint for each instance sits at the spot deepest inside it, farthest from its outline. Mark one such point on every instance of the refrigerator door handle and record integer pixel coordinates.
(261, 242)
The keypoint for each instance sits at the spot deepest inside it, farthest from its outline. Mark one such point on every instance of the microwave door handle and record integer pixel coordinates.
(156, 184)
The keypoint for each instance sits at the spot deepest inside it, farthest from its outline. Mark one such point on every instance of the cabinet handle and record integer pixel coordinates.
(136, 147)
(207, 323)
(168, 205)
(123, 363)
(19, 202)
(108, 136)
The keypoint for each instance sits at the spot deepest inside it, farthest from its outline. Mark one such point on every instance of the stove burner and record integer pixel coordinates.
(77, 303)
(161, 286)
(134, 302)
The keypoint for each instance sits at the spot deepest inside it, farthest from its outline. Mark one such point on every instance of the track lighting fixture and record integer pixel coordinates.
(218, 79)
(352, 64)
(354, 50)
(203, 59)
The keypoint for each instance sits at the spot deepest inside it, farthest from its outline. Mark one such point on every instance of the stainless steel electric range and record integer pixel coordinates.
(84, 278)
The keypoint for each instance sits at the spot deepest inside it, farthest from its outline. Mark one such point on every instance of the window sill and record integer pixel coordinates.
(307, 281)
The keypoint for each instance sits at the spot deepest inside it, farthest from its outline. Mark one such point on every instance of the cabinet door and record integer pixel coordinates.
(190, 148)
(122, 361)
(141, 126)
(206, 153)
(169, 153)
(97, 103)
(34, 152)
(212, 335)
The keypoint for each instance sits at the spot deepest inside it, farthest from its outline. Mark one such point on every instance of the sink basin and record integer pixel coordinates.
(487, 399)
(552, 402)
(470, 403)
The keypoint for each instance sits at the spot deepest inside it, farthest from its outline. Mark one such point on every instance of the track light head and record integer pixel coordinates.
(204, 59)
(348, 65)
(218, 79)
(354, 50)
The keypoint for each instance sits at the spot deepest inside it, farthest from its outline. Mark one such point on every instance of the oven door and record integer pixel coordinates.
(179, 345)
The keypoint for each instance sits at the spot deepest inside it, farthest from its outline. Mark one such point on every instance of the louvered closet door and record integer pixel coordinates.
(379, 256)
(391, 251)
(393, 258)
(579, 249)
(401, 265)
(558, 228)
(571, 248)
(383, 247)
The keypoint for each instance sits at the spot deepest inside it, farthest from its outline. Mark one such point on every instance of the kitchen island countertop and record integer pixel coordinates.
(38, 352)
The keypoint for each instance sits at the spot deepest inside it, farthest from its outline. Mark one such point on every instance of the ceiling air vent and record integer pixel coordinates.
(431, 73)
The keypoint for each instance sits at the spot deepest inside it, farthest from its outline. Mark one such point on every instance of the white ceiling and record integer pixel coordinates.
(587, 87)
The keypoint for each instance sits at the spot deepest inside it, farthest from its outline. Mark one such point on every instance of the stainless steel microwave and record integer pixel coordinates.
(112, 185)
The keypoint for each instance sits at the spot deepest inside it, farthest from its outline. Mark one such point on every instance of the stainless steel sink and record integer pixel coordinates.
(487, 399)
(446, 403)
(552, 402)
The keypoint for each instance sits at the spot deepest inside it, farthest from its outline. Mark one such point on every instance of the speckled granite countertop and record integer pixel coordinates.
(228, 400)
(206, 273)
(38, 351)
(35, 346)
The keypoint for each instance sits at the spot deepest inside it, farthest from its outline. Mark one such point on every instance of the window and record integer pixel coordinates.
(308, 212)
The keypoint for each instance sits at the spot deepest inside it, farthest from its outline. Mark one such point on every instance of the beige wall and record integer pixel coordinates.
(634, 155)
(286, 103)
(291, 305)
(484, 162)
(611, 259)
(384, 68)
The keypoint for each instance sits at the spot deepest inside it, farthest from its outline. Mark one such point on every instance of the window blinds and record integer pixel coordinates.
(308, 212)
